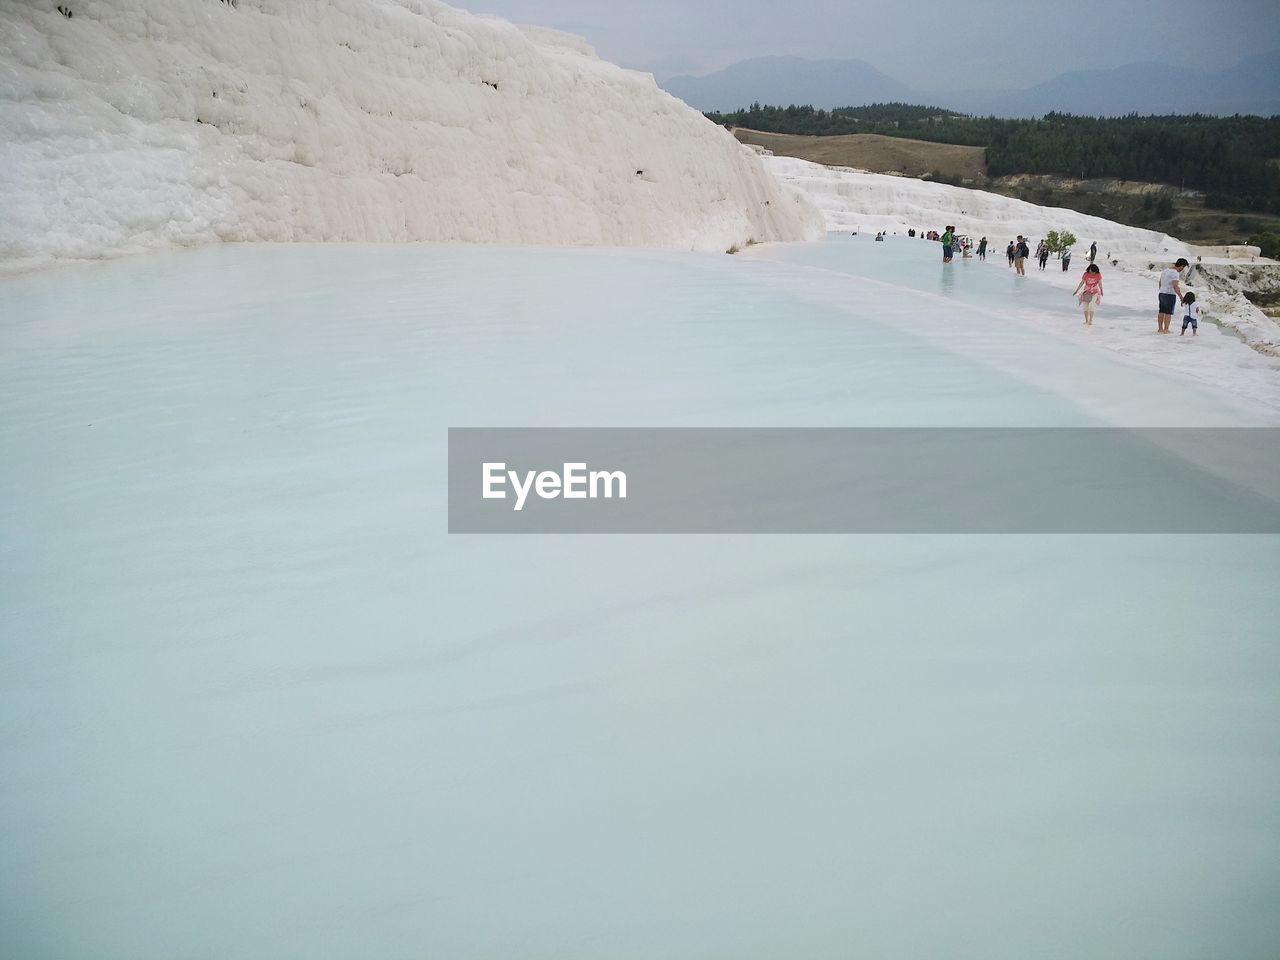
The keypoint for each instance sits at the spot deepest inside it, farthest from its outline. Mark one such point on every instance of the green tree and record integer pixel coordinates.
(1060, 241)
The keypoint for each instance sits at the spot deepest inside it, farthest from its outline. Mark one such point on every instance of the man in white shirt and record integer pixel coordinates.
(1170, 294)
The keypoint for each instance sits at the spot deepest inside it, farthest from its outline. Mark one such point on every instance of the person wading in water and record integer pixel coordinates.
(1089, 291)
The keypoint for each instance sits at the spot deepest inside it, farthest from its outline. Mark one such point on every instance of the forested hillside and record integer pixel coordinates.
(1233, 160)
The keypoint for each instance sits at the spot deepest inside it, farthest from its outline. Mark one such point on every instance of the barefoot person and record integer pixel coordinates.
(1191, 314)
(1020, 254)
(1170, 294)
(948, 238)
(1089, 291)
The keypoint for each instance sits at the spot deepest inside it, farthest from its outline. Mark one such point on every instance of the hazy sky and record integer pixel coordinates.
(976, 43)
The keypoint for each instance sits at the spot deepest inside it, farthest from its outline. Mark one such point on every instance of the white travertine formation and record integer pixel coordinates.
(140, 123)
(858, 200)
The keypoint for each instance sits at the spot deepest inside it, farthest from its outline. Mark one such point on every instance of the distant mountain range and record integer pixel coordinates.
(782, 81)
(1251, 86)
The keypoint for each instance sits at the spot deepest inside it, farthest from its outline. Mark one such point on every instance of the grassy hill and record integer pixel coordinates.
(879, 154)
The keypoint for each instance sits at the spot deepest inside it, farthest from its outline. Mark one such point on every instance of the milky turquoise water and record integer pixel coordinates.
(255, 702)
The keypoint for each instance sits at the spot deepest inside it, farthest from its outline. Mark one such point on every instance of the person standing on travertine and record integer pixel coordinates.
(1170, 294)
(1020, 254)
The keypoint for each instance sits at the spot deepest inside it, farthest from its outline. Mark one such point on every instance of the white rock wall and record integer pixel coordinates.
(141, 123)
(857, 200)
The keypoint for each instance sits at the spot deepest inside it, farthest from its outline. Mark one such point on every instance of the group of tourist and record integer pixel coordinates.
(1017, 253)
(1088, 291)
(1088, 294)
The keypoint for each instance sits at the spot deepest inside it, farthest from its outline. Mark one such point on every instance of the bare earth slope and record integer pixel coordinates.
(876, 153)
